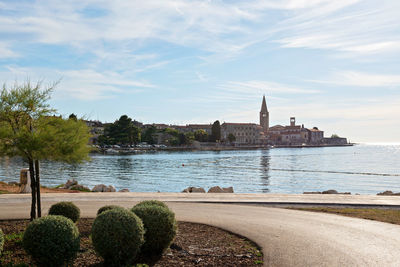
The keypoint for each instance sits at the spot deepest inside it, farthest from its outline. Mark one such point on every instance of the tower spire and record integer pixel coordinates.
(264, 116)
(264, 105)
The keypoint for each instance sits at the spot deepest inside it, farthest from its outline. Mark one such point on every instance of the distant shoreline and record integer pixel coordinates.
(123, 151)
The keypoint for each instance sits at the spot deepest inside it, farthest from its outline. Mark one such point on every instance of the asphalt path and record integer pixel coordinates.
(287, 237)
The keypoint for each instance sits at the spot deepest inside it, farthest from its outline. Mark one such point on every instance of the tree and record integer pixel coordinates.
(335, 136)
(72, 116)
(148, 135)
(231, 138)
(201, 135)
(122, 131)
(215, 132)
(28, 130)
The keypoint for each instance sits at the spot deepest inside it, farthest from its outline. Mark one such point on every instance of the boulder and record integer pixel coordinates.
(110, 188)
(228, 189)
(124, 190)
(192, 189)
(331, 191)
(79, 187)
(215, 189)
(99, 188)
(70, 183)
(388, 193)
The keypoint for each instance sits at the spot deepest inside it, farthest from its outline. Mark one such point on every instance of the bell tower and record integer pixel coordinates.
(264, 116)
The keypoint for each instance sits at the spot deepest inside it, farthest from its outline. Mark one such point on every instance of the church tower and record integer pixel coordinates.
(264, 116)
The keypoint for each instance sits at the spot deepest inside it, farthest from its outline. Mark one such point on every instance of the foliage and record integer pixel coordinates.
(160, 228)
(335, 136)
(1, 241)
(51, 241)
(215, 132)
(14, 237)
(117, 236)
(72, 116)
(148, 135)
(152, 202)
(122, 131)
(108, 207)
(66, 209)
(231, 138)
(201, 135)
(28, 130)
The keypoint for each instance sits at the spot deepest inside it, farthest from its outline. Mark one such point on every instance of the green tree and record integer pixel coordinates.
(72, 116)
(28, 130)
(189, 138)
(201, 135)
(148, 135)
(231, 138)
(122, 131)
(335, 136)
(215, 132)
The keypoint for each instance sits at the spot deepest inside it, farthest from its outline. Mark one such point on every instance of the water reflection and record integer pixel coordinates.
(264, 170)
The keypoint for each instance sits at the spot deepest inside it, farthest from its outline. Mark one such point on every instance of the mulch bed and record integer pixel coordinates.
(195, 245)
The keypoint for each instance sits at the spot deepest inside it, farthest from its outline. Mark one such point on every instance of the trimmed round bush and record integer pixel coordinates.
(160, 226)
(51, 241)
(117, 235)
(66, 209)
(1, 241)
(152, 202)
(108, 207)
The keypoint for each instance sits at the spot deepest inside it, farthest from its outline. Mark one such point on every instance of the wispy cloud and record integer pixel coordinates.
(359, 28)
(6, 52)
(263, 87)
(362, 79)
(84, 84)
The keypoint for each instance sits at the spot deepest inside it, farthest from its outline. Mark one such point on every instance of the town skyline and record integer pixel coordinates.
(330, 64)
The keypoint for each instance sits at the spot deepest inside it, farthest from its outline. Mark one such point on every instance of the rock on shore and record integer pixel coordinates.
(214, 189)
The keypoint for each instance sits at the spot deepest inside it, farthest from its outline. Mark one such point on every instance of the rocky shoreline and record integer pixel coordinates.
(72, 186)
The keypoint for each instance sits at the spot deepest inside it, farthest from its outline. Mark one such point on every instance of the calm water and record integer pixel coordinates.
(365, 169)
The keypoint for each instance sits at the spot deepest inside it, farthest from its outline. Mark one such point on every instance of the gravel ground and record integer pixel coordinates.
(195, 245)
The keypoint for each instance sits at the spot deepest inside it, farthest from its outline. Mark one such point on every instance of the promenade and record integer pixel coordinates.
(287, 237)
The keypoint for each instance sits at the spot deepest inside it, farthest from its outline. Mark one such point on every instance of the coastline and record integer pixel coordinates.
(208, 148)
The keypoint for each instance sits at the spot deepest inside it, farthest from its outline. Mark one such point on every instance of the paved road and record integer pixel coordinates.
(287, 237)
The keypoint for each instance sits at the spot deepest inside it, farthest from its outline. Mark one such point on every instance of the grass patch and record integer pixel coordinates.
(382, 215)
(58, 186)
(16, 237)
(4, 192)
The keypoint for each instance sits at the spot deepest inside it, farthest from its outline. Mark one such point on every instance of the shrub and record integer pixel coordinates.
(152, 202)
(66, 209)
(51, 241)
(117, 235)
(108, 207)
(160, 228)
(1, 241)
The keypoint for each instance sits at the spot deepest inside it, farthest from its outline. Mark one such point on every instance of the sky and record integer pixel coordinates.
(333, 64)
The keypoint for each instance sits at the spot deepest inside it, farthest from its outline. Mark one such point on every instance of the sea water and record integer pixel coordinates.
(364, 169)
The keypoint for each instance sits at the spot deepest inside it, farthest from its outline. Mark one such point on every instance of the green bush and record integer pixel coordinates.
(51, 241)
(1, 241)
(108, 207)
(160, 226)
(117, 235)
(152, 202)
(66, 209)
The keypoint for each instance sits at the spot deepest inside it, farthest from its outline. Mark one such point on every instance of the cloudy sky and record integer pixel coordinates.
(334, 64)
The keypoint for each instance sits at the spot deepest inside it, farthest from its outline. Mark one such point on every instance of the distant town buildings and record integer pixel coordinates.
(243, 134)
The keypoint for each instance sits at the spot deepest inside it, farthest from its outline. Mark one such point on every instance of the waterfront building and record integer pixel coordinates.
(245, 133)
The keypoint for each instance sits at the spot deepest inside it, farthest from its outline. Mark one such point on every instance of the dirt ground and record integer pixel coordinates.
(195, 245)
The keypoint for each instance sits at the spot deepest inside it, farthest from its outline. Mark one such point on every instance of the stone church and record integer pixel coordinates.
(248, 133)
